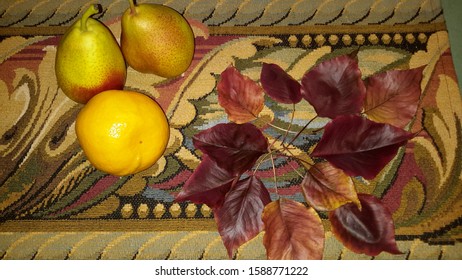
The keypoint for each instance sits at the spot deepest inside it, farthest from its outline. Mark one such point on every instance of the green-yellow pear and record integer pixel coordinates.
(156, 39)
(89, 59)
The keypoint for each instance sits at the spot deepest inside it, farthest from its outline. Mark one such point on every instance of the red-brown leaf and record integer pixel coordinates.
(359, 146)
(242, 98)
(235, 147)
(292, 231)
(327, 188)
(334, 87)
(280, 85)
(208, 184)
(392, 97)
(369, 230)
(239, 218)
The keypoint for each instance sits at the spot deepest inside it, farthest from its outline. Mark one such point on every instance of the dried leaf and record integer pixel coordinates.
(392, 97)
(369, 230)
(327, 188)
(359, 146)
(235, 147)
(242, 98)
(208, 184)
(334, 87)
(239, 218)
(292, 231)
(279, 85)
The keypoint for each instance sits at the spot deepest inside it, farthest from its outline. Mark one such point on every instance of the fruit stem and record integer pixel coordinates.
(132, 6)
(92, 10)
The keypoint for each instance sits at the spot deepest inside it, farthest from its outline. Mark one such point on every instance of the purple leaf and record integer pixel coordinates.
(242, 98)
(239, 218)
(392, 97)
(279, 85)
(334, 87)
(369, 230)
(235, 147)
(360, 146)
(292, 231)
(327, 188)
(208, 184)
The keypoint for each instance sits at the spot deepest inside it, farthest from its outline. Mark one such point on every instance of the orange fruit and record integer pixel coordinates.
(122, 132)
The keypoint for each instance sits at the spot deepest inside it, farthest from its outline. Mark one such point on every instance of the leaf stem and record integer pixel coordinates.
(287, 131)
(295, 169)
(290, 124)
(317, 130)
(292, 156)
(274, 173)
(263, 159)
(301, 130)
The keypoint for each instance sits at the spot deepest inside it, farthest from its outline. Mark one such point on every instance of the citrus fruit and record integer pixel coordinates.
(122, 132)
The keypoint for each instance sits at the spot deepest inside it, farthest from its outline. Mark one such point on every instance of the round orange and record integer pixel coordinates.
(122, 132)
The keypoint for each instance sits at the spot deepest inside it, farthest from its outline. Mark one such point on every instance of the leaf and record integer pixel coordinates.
(235, 147)
(369, 230)
(359, 146)
(334, 87)
(292, 231)
(239, 218)
(392, 97)
(327, 188)
(208, 184)
(279, 85)
(242, 98)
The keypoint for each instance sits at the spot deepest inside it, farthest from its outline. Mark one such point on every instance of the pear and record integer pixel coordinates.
(89, 59)
(156, 39)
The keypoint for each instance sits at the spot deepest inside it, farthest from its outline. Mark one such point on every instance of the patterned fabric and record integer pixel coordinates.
(55, 205)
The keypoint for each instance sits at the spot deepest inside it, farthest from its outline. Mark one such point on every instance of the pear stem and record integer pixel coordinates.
(92, 10)
(132, 6)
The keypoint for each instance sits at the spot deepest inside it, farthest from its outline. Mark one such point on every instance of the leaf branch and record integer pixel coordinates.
(274, 172)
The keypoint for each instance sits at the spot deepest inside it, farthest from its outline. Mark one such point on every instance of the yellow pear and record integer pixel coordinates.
(89, 59)
(156, 39)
